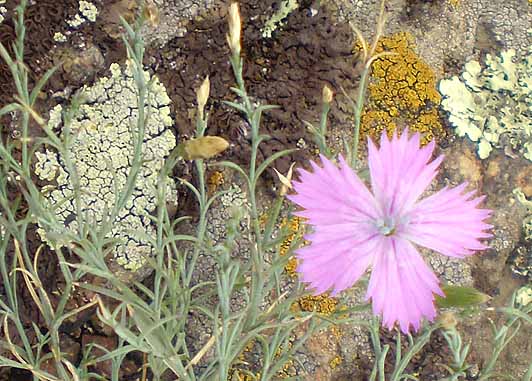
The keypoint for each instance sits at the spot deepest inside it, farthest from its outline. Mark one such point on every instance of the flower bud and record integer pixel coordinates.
(447, 320)
(233, 38)
(151, 13)
(285, 180)
(460, 296)
(202, 148)
(202, 94)
(326, 94)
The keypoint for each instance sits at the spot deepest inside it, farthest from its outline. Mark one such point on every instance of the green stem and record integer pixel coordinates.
(272, 219)
(257, 281)
(237, 65)
(359, 106)
(202, 226)
(322, 142)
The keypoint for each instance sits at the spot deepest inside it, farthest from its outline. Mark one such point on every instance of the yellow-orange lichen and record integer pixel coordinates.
(335, 329)
(239, 374)
(336, 360)
(323, 304)
(291, 267)
(294, 226)
(288, 370)
(215, 180)
(402, 92)
(263, 218)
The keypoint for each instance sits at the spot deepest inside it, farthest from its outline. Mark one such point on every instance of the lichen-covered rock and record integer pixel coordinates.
(486, 268)
(173, 19)
(446, 32)
(402, 92)
(492, 103)
(78, 64)
(101, 151)
(277, 17)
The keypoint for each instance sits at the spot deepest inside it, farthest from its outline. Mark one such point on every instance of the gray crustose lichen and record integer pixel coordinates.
(102, 151)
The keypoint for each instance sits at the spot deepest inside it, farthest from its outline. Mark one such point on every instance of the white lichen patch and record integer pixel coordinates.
(3, 11)
(286, 7)
(76, 21)
(59, 37)
(87, 12)
(102, 151)
(491, 104)
(523, 296)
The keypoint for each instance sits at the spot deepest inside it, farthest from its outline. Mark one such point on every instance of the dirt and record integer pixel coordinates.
(41, 20)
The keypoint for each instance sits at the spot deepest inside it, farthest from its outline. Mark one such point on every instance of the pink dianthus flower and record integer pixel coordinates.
(354, 229)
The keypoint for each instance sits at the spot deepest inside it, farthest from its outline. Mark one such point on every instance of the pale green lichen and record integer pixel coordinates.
(527, 222)
(88, 10)
(3, 11)
(523, 296)
(102, 151)
(59, 37)
(528, 150)
(76, 21)
(491, 104)
(286, 7)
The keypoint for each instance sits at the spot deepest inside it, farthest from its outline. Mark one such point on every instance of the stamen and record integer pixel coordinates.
(386, 226)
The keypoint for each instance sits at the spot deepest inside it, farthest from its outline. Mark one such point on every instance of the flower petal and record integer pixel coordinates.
(336, 260)
(448, 222)
(400, 171)
(402, 286)
(332, 195)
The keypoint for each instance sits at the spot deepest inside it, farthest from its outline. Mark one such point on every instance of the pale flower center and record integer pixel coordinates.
(386, 226)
